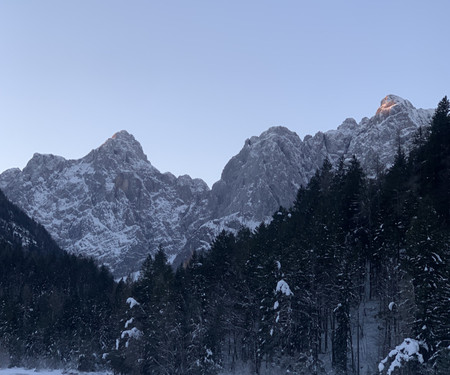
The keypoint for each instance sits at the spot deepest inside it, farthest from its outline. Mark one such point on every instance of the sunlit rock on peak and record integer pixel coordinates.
(122, 134)
(125, 140)
(391, 101)
(386, 104)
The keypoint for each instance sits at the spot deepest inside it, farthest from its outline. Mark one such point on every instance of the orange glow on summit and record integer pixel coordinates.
(386, 104)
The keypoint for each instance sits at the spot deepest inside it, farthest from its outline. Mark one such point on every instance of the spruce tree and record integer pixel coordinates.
(428, 263)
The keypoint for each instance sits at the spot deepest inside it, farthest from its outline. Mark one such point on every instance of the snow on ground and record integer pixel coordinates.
(22, 371)
(242, 370)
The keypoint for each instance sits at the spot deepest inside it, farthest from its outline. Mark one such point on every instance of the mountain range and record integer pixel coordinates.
(115, 206)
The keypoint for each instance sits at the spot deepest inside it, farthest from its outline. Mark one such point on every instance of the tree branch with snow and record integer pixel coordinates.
(408, 350)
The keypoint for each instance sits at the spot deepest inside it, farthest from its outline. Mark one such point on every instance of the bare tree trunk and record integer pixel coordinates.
(357, 344)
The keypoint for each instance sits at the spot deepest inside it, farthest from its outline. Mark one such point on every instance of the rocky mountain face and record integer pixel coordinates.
(115, 206)
(112, 204)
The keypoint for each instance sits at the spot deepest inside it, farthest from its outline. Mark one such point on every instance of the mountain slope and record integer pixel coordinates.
(51, 303)
(114, 205)
(17, 229)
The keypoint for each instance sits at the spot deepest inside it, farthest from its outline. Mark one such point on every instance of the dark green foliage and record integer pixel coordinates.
(428, 262)
(432, 161)
(55, 308)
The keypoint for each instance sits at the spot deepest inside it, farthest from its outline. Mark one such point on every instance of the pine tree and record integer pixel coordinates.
(433, 161)
(428, 264)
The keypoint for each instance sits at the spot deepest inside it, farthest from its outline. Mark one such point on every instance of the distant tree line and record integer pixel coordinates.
(55, 309)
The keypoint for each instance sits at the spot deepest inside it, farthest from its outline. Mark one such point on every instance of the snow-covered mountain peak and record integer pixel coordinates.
(349, 125)
(121, 133)
(124, 136)
(125, 141)
(44, 164)
(273, 133)
(259, 150)
(393, 103)
(277, 131)
(252, 182)
(115, 206)
(257, 147)
(120, 151)
(49, 160)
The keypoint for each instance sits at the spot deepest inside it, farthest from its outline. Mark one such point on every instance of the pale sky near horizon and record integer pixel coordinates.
(191, 80)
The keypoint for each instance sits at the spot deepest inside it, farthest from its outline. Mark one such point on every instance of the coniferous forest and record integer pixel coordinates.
(354, 258)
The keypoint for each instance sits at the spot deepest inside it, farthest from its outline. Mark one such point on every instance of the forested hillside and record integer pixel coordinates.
(56, 309)
(354, 274)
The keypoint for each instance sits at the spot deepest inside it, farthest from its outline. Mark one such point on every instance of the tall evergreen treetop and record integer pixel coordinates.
(440, 125)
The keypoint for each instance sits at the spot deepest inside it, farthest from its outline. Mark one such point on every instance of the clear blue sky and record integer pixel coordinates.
(191, 80)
